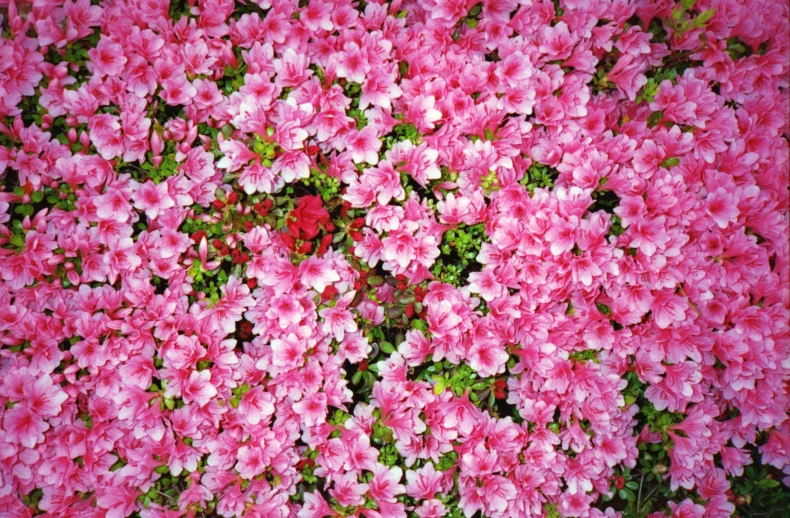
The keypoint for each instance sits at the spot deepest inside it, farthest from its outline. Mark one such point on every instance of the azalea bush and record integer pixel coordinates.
(333, 258)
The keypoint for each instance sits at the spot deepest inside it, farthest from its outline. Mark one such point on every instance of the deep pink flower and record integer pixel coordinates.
(198, 388)
(153, 199)
(312, 408)
(348, 491)
(24, 426)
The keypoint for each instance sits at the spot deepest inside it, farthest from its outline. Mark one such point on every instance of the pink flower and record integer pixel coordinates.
(348, 491)
(486, 284)
(258, 178)
(558, 42)
(107, 58)
(256, 405)
(424, 483)
(361, 455)
(648, 157)
(152, 198)
(119, 501)
(44, 397)
(178, 91)
(380, 88)
(627, 75)
(630, 210)
(337, 321)
(252, 461)
(574, 504)
(288, 353)
(562, 234)
(422, 113)
(317, 15)
(487, 358)
(113, 204)
(385, 485)
(490, 494)
(314, 506)
(317, 274)
(198, 388)
(687, 509)
(105, 134)
(400, 248)
(668, 308)
(351, 64)
(23, 426)
(648, 235)
(722, 207)
(173, 243)
(291, 166)
(286, 309)
(449, 11)
(431, 509)
(364, 146)
(312, 408)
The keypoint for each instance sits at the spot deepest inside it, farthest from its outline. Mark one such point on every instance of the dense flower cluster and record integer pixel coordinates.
(327, 258)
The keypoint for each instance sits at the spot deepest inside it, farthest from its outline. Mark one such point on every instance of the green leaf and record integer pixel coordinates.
(386, 347)
(37, 196)
(439, 387)
(671, 162)
(18, 241)
(704, 17)
(768, 483)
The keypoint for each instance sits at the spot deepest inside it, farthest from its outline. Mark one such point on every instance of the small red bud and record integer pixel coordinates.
(328, 293)
(305, 248)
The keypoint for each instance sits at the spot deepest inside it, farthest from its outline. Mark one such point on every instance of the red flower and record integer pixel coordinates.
(499, 389)
(197, 236)
(328, 293)
(305, 220)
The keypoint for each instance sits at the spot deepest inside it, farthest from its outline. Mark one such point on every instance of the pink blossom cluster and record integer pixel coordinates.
(115, 372)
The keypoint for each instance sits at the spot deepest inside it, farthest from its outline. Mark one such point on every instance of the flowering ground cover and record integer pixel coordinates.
(426, 258)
